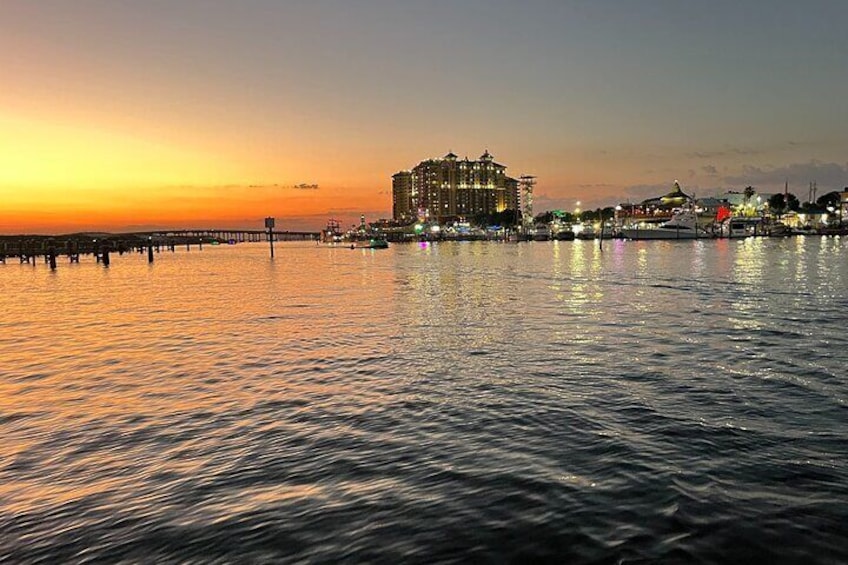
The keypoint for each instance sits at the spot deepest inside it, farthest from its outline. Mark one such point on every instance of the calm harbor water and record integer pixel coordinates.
(680, 402)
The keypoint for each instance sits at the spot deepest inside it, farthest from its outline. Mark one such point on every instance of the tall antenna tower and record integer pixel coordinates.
(525, 186)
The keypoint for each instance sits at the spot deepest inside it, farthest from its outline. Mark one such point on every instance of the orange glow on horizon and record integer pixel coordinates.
(67, 177)
(233, 206)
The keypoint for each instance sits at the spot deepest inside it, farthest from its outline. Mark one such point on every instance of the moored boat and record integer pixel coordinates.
(682, 225)
(564, 234)
(586, 231)
(332, 233)
(541, 232)
(778, 230)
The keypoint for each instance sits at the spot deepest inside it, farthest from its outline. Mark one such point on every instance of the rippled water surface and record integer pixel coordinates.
(455, 402)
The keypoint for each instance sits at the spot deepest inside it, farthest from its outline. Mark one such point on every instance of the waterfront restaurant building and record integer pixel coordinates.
(451, 188)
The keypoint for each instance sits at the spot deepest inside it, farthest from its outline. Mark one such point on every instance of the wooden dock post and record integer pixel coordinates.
(149, 249)
(51, 256)
(269, 225)
(105, 256)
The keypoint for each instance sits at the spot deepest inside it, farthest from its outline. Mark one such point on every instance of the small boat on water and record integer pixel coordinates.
(373, 243)
(378, 244)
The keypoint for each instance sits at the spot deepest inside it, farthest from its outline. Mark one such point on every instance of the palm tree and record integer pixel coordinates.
(749, 193)
(777, 203)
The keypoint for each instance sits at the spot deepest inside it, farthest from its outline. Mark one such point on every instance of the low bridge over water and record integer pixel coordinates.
(227, 235)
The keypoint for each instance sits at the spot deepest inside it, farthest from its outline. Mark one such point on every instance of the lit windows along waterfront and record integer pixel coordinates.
(440, 189)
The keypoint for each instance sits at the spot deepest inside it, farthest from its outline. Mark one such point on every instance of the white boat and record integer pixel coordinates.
(682, 225)
(541, 232)
(563, 234)
(736, 228)
(585, 231)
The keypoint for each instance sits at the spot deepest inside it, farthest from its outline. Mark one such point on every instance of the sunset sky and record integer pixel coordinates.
(122, 115)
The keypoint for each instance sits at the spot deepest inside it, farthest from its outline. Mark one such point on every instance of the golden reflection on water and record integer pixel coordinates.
(800, 259)
(575, 271)
(699, 254)
(136, 343)
(643, 270)
(748, 270)
(447, 305)
(749, 267)
(586, 268)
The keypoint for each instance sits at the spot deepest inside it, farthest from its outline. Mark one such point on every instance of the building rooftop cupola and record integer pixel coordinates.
(450, 156)
(676, 196)
(486, 156)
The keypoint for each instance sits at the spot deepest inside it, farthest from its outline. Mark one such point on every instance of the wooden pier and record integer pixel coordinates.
(32, 248)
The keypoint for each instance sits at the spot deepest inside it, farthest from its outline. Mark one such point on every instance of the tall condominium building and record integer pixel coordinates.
(449, 188)
(402, 208)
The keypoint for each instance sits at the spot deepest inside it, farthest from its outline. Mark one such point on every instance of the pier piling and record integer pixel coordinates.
(269, 225)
